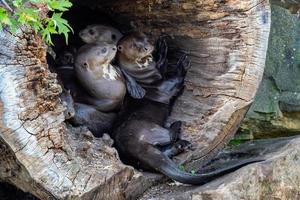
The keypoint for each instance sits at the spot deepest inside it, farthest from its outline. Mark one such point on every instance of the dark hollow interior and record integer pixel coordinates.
(79, 17)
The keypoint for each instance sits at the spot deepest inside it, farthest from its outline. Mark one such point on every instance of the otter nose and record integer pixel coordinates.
(69, 115)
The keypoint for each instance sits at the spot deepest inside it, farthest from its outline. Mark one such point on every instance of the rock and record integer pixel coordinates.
(140, 182)
(292, 5)
(275, 178)
(276, 109)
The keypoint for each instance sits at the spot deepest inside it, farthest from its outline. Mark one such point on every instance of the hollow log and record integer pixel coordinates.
(226, 41)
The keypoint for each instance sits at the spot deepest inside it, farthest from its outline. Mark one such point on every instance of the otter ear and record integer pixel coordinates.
(120, 48)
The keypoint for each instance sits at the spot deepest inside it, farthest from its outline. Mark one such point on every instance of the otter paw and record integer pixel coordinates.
(183, 145)
(162, 51)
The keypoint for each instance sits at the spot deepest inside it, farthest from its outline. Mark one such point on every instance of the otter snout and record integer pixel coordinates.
(69, 114)
(81, 34)
(84, 37)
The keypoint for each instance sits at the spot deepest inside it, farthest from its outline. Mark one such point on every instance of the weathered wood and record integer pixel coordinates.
(38, 153)
(227, 42)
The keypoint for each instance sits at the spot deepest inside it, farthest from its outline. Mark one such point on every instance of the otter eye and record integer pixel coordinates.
(113, 37)
(91, 31)
(85, 65)
(104, 50)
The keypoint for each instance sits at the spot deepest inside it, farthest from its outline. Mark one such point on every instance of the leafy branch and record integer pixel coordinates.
(16, 13)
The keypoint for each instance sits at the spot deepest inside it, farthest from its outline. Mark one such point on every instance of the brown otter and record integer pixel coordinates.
(142, 139)
(104, 82)
(135, 57)
(100, 33)
(64, 68)
(97, 122)
(68, 102)
(78, 114)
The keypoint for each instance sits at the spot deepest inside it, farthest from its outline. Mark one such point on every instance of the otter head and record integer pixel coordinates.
(95, 55)
(68, 102)
(100, 33)
(135, 46)
(66, 57)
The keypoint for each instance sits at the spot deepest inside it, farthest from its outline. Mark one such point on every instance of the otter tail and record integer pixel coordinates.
(169, 168)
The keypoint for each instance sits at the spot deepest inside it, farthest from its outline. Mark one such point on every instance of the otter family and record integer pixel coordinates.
(113, 84)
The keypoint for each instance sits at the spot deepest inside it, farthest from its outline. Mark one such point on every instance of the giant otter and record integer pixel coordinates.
(100, 33)
(97, 122)
(103, 81)
(135, 57)
(79, 114)
(143, 141)
(68, 102)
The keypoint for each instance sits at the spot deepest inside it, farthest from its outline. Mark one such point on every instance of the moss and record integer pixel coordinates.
(279, 91)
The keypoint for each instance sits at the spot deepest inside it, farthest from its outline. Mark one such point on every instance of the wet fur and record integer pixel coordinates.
(100, 33)
(75, 98)
(103, 82)
(135, 57)
(143, 141)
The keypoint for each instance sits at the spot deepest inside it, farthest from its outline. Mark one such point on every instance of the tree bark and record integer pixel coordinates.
(226, 41)
(38, 153)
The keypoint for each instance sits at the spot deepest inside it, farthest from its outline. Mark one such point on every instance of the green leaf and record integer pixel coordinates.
(4, 18)
(46, 34)
(14, 25)
(62, 25)
(17, 3)
(37, 26)
(60, 5)
(27, 15)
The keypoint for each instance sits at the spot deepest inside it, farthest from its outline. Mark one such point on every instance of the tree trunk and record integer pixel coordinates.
(38, 153)
(226, 41)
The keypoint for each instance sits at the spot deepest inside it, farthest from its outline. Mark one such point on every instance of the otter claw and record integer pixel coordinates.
(183, 64)
(183, 145)
(162, 61)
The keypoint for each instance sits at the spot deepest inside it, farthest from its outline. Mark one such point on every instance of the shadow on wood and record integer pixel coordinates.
(227, 42)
